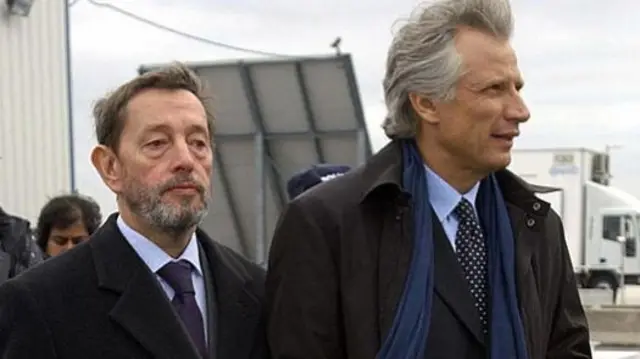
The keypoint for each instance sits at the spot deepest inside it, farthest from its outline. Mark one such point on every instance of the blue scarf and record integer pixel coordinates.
(408, 335)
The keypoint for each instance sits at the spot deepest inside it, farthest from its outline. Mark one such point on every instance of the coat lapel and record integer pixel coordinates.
(5, 266)
(239, 311)
(448, 271)
(524, 242)
(527, 214)
(212, 303)
(142, 309)
(394, 260)
(526, 234)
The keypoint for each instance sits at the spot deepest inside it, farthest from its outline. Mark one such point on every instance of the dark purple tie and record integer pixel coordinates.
(178, 275)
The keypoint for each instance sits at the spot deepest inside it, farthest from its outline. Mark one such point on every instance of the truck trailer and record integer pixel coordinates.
(601, 222)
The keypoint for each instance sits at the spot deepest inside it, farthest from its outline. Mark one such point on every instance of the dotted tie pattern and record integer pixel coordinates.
(472, 255)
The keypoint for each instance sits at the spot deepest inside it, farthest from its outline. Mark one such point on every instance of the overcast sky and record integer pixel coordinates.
(576, 57)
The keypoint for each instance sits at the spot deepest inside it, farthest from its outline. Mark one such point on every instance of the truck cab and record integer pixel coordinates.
(613, 248)
(612, 235)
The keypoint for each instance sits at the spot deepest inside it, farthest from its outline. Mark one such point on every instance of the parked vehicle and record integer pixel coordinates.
(601, 222)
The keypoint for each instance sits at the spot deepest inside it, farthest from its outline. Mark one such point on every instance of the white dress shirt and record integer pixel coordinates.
(444, 199)
(155, 258)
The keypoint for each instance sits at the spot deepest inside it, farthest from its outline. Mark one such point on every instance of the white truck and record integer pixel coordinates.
(601, 222)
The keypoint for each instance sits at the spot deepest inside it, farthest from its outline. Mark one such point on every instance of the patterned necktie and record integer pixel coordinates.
(178, 275)
(472, 255)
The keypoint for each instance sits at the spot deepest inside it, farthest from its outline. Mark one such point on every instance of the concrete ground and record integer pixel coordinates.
(614, 325)
(630, 295)
(610, 354)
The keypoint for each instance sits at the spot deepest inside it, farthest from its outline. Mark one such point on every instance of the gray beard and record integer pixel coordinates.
(175, 221)
(172, 219)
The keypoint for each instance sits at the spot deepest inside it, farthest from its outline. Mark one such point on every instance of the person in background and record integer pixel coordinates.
(66, 221)
(432, 248)
(148, 283)
(18, 249)
(311, 177)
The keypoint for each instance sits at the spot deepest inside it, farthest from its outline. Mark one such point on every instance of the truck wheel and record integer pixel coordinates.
(603, 281)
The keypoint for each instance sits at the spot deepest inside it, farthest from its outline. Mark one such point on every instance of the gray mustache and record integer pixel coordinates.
(182, 181)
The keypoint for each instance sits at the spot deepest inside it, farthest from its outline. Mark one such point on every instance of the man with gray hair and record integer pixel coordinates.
(432, 249)
(149, 283)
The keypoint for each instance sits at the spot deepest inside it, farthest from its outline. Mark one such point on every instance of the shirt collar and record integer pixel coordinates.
(443, 197)
(152, 255)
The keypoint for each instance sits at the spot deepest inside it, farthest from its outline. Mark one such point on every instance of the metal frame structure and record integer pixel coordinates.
(67, 44)
(314, 103)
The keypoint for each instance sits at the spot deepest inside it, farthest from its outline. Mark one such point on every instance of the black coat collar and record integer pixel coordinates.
(383, 173)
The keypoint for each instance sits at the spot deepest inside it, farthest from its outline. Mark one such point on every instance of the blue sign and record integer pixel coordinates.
(564, 170)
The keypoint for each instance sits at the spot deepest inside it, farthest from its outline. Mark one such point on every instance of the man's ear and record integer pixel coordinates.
(424, 108)
(106, 162)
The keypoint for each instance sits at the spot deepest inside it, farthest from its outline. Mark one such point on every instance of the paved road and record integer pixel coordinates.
(631, 295)
(608, 354)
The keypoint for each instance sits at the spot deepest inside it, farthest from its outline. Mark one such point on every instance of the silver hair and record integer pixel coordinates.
(423, 59)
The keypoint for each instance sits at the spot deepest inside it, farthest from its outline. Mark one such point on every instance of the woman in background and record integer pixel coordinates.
(66, 221)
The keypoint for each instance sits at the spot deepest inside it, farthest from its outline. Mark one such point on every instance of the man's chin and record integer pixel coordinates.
(178, 221)
(494, 164)
(181, 210)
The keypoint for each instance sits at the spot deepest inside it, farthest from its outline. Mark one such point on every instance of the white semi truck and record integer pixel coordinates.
(601, 222)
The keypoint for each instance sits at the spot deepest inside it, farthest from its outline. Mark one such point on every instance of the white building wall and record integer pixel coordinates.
(34, 107)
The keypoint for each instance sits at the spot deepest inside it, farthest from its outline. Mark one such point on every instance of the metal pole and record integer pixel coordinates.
(362, 146)
(260, 200)
(621, 285)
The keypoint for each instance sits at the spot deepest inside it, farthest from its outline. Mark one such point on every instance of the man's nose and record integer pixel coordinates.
(517, 110)
(183, 156)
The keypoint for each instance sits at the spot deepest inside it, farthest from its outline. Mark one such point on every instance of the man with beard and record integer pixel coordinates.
(148, 284)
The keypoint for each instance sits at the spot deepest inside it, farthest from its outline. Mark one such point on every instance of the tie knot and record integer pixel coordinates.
(464, 210)
(178, 275)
